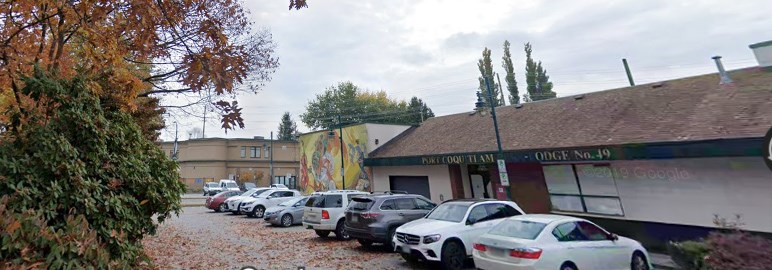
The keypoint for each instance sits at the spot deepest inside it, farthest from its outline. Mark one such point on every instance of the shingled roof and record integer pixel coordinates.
(688, 109)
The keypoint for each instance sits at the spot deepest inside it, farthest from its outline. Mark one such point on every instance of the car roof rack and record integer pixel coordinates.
(390, 192)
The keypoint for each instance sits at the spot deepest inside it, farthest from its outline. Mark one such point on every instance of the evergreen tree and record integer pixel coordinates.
(419, 111)
(506, 63)
(287, 128)
(486, 71)
(530, 72)
(543, 85)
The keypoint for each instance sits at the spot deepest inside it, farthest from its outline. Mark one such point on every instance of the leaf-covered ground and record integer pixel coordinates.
(203, 239)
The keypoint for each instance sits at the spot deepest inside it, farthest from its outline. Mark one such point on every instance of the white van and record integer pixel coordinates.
(227, 184)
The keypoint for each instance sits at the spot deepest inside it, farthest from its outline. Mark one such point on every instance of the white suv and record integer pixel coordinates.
(232, 203)
(447, 233)
(325, 212)
(255, 206)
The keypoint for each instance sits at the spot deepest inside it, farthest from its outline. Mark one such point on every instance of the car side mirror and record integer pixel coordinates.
(613, 237)
(470, 221)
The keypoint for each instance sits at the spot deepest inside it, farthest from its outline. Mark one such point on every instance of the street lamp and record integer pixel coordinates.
(481, 108)
(331, 135)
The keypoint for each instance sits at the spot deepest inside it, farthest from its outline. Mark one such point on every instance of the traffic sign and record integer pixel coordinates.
(504, 178)
(502, 165)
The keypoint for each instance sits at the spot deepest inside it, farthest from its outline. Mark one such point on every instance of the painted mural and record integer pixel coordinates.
(320, 160)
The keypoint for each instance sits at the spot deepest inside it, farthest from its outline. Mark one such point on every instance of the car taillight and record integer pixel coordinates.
(480, 247)
(526, 253)
(370, 215)
(325, 214)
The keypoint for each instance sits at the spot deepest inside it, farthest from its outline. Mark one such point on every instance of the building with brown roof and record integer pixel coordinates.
(655, 162)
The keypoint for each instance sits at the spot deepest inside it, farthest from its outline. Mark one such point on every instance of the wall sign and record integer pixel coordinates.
(458, 159)
(574, 155)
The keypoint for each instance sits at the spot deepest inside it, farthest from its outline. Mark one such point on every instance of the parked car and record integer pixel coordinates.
(211, 188)
(287, 213)
(448, 232)
(217, 202)
(247, 186)
(324, 212)
(278, 186)
(556, 242)
(232, 203)
(227, 184)
(375, 218)
(256, 205)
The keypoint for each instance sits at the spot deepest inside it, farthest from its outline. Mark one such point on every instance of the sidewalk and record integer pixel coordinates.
(662, 261)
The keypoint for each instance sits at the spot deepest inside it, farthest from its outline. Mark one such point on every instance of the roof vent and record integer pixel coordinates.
(763, 52)
(518, 106)
(578, 97)
(658, 85)
(721, 72)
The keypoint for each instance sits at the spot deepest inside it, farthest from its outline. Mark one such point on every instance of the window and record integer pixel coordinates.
(423, 205)
(254, 152)
(477, 214)
(453, 212)
(499, 210)
(568, 231)
(522, 229)
(588, 188)
(592, 232)
(405, 204)
(388, 205)
(243, 151)
(333, 201)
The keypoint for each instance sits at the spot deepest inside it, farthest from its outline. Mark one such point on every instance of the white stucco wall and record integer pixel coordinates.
(383, 133)
(465, 181)
(691, 191)
(439, 178)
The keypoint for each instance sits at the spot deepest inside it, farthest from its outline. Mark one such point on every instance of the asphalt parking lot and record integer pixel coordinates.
(202, 239)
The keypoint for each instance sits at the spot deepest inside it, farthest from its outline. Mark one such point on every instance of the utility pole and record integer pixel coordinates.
(503, 101)
(270, 153)
(503, 176)
(342, 157)
(203, 130)
(174, 151)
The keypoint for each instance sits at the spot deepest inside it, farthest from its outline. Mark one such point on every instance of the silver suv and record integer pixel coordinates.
(325, 212)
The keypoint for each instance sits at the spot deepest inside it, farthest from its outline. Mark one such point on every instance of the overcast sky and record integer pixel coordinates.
(430, 48)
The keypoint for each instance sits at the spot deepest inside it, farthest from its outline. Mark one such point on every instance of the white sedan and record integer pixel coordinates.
(556, 242)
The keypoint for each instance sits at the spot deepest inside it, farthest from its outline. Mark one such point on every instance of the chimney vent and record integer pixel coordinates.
(259, 138)
(763, 52)
(721, 72)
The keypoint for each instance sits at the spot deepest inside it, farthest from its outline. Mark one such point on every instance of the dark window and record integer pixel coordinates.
(361, 204)
(568, 231)
(423, 205)
(333, 201)
(405, 204)
(254, 152)
(313, 200)
(289, 194)
(477, 214)
(388, 205)
(592, 232)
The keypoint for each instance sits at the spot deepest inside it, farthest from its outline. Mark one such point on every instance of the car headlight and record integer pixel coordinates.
(431, 238)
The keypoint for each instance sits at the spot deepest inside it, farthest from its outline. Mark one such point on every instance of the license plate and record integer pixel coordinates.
(354, 218)
(404, 249)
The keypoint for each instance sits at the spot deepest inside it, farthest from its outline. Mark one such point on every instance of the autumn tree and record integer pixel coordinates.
(287, 128)
(509, 69)
(346, 103)
(136, 51)
(485, 66)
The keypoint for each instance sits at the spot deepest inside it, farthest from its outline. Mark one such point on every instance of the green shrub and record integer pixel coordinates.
(81, 181)
(688, 254)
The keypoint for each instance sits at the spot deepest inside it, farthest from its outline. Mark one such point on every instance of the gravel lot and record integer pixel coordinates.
(202, 239)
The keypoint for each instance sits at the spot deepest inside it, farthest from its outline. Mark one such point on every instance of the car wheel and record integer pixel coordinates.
(408, 258)
(639, 262)
(286, 220)
(340, 231)
(365, 243)
(388, 242)
(568, 266)
(322, 233)
(453, 256)
(221, 208)
(258, 211)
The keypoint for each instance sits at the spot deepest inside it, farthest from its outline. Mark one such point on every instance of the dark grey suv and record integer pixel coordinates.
(374, 218)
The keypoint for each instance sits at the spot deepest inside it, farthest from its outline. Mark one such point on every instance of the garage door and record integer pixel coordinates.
(411, 184)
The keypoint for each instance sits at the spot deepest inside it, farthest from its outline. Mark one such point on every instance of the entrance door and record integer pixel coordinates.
(411, 184)
(478, 186)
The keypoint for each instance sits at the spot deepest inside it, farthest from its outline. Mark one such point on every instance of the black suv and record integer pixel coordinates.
(374, 218)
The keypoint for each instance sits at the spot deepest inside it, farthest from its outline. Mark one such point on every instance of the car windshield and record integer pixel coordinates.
(449, 212)
(291, 202)
(211, 185)
(522, 229)
(258, 192)
(231, 185)
(249, 192)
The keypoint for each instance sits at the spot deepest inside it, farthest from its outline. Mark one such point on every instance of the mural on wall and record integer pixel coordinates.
(320, 160)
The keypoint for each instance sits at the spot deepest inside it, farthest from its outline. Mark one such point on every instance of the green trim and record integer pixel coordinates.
(761, 44)
(661, 150)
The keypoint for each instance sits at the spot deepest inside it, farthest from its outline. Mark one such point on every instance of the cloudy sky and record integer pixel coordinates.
(430, 48)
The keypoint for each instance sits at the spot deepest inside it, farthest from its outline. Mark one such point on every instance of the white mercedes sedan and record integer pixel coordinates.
(556, 242)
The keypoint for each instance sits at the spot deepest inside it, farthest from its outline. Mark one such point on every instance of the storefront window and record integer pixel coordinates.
(588, 188)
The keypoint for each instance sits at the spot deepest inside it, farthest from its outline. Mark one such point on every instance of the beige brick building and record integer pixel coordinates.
(242, 159)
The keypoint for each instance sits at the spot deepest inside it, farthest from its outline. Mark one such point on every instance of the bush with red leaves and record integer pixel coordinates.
(739, 250)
